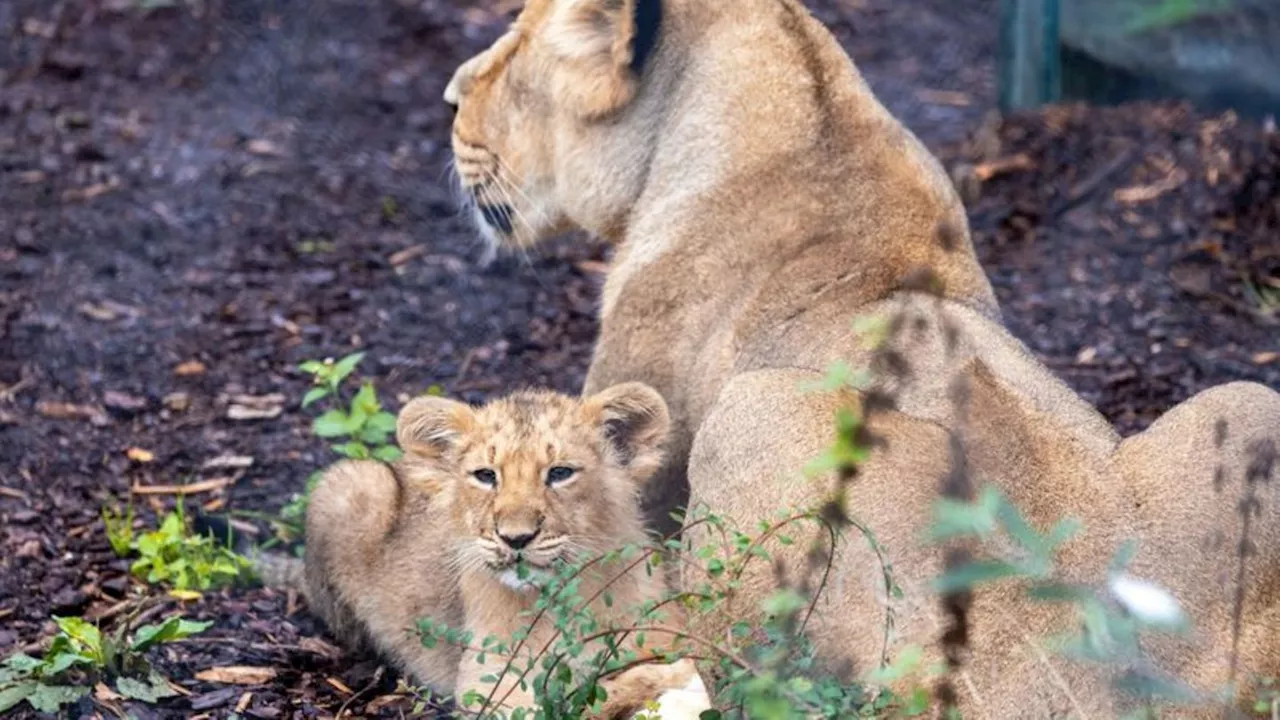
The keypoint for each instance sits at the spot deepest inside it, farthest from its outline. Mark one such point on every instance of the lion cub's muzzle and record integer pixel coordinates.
(536, 549)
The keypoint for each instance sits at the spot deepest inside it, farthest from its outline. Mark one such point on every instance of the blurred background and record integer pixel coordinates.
(198, 195)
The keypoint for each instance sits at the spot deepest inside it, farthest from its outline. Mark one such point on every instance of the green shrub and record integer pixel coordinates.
(170, 555)
(80, 655)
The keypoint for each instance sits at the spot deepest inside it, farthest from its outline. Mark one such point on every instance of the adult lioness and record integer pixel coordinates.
(758, 198)
(538, 477)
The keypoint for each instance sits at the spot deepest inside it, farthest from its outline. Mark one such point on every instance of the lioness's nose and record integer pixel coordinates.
(518, 541)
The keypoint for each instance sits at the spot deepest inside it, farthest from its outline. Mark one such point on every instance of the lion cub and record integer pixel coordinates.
(536, 477)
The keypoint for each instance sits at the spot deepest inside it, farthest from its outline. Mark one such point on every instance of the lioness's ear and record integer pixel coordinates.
(634, 421)
(606, 44)
(478, 65)
(428, 426)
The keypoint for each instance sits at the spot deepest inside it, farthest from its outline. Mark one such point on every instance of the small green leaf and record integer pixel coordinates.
(783, 603)
(332, 424)
(345, 367)
(84, 634)
(354, 450)
(388, 453)
(149, 691)
(51, 698)
(1060, 592)
(952, 519)
(11, 696)
(57, 663)
(22, 663)
(315, 394)
(969, 576)
(1124, 556)
(174, 628)
(366, 401)
(313, 367)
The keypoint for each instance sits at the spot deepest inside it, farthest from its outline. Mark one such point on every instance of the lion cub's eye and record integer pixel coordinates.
(486, 477)
(560, 474)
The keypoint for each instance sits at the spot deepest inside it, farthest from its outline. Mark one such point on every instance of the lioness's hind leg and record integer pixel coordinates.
(1194, 475)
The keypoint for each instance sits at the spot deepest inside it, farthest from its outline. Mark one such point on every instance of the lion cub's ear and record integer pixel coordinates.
(605, 45)
(429, 426)
(634, 421)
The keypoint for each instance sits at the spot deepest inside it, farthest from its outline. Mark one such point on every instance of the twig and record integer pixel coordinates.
(1090, 185)
(377, 678)
(194, 488)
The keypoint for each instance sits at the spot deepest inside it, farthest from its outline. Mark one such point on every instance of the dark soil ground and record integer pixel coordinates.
(191, 204)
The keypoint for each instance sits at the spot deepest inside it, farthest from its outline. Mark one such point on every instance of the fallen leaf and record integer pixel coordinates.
(404, 256)
(139, 455)
(1266, 358)
(190, 368)
(185, 595)
(177, 401)
(264, 147)
(14, 493)
(382, 701)
(245, 699)
(102, 693)
(70, 411)
(1146, 193)
(256, 407)
(340, 686)
(123, 401)
(241, 412)
(1087, 356)
(90, 192)
(228, 462)
(98, 312)
(318, 646)
(988, 170)
(237, 675)
(259, 401)
(944, 97)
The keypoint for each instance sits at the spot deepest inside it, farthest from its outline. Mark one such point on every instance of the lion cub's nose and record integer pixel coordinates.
(520, 541)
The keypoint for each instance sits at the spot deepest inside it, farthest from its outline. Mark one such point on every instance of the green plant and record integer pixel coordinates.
(171, 555)
(1113, 618)
(1267, 703)
(81, 655)
(119, 529)
(364, 426)
(1266, 298)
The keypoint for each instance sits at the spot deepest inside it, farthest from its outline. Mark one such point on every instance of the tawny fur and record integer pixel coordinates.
(390, 545)
(758, 198)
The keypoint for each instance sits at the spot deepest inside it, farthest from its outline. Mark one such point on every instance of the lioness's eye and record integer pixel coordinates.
(559, 474)
(485, 476)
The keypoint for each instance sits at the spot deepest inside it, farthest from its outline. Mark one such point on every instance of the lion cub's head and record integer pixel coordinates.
(536, 143)
(539, 476)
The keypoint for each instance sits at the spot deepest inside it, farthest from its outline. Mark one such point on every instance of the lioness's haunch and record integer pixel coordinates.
(758, 198)
(536, 477)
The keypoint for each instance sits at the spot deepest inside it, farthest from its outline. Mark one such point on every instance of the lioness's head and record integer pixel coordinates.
(538, 143)
(539, 476)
